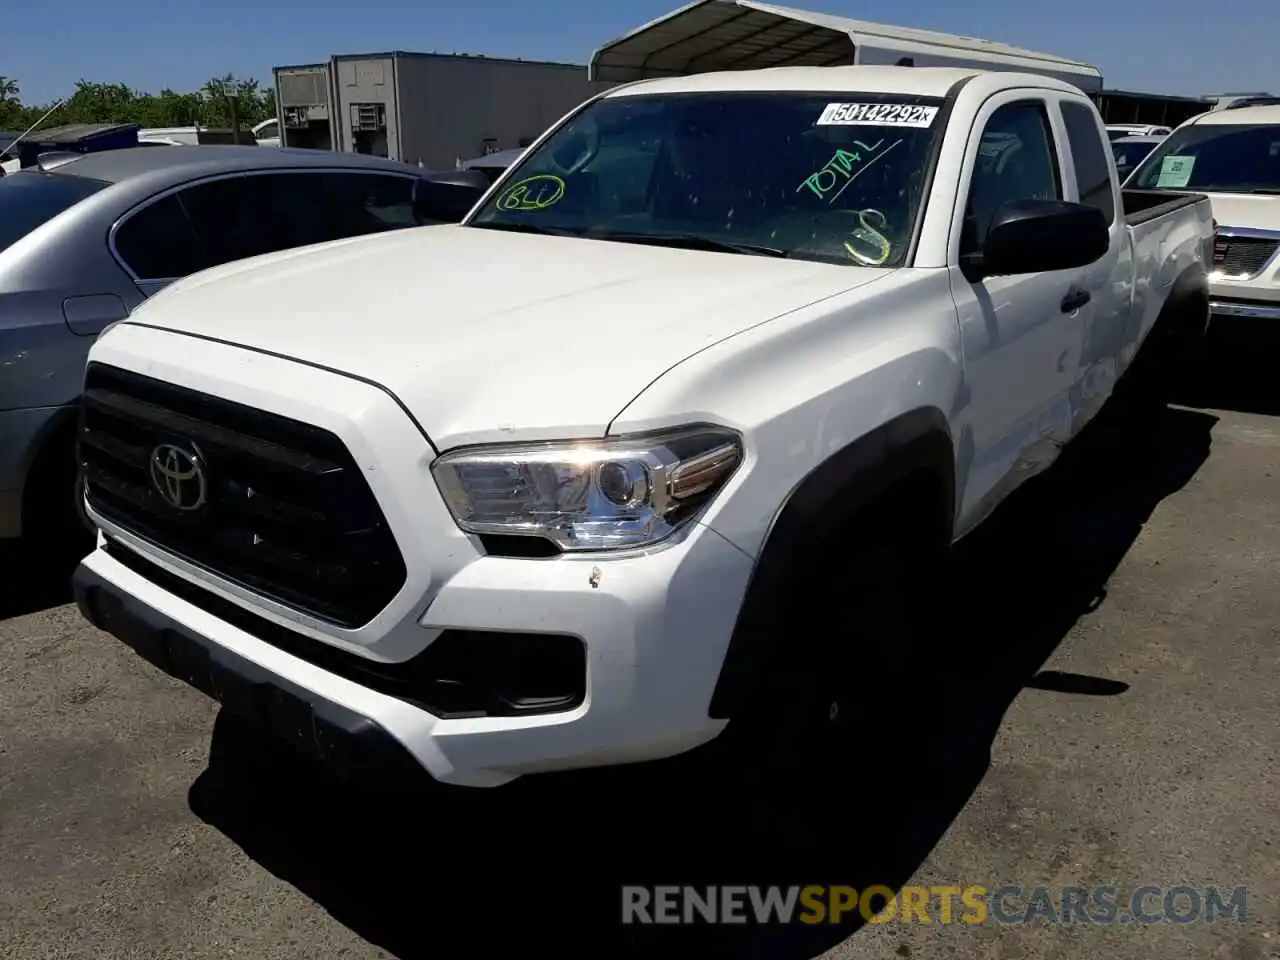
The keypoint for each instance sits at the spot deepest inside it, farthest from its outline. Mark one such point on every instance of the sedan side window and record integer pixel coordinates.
(246, 216)
(158, 244)
(361, 203)
(1016, 161)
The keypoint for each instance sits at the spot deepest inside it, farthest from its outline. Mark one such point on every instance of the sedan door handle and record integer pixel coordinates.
(1074, 300)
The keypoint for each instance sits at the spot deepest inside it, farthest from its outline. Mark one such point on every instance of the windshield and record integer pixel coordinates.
(29, 198)
(1215, 158)
(836, 178)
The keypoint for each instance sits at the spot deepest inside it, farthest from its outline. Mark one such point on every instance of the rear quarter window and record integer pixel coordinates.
(1093, 174)
(29, 199)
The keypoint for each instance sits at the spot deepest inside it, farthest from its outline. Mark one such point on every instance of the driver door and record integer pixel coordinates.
(1021, 348)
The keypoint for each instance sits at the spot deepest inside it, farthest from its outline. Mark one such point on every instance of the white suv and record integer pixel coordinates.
(1233, 155)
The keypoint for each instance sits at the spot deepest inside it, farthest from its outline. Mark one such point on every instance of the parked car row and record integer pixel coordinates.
(265, 134)
(86, 239)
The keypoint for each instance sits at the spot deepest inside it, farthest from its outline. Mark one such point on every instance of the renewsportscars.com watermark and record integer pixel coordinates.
(974, 904)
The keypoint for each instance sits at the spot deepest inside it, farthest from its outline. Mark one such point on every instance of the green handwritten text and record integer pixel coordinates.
(532, 193)
(868, 245)
(837, 171)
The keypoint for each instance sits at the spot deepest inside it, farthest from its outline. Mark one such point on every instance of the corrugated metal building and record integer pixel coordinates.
(425, 108)
(710, 35)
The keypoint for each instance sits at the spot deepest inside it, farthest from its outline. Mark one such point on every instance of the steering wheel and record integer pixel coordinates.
(589, 134)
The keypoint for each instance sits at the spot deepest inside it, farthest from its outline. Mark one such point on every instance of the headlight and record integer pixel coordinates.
(589, 495)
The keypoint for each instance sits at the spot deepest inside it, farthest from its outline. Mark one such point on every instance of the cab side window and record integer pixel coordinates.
(1093, 175)
(1016, 161)
(246, 216)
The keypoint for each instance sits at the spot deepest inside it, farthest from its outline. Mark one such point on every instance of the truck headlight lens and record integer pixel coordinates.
(590, 494)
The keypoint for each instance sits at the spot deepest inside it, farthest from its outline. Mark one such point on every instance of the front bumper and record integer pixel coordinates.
(649, 629)
(353, 745)
(655, 628)
(1250, 310)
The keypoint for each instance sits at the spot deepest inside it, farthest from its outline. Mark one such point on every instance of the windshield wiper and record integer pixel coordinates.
(1271, 190)
(688, 241)
(525, 228)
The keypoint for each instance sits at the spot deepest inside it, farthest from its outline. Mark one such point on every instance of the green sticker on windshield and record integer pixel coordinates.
(532, 193)
(1175, 171)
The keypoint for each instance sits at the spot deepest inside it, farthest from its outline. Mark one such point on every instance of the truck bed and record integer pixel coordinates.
(1141, 206)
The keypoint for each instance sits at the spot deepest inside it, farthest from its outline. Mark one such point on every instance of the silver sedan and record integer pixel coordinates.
(85, 239)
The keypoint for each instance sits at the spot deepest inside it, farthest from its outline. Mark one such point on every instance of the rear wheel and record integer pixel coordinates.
(1166, 364)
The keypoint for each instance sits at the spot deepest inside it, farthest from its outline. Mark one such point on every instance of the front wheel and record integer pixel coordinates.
(825, 723)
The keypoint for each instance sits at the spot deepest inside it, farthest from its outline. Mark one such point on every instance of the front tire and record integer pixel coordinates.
(851, 652)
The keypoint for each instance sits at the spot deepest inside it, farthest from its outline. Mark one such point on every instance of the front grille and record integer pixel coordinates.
(1242, 256)
(274, 505)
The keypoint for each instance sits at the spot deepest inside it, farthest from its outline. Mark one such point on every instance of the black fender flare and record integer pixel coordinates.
(1179, 328)
(849, 480)
(1190, 286)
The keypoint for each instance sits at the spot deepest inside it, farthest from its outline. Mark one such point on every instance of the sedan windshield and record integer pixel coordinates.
(836, 178)
(29, 198)
(1215, 158)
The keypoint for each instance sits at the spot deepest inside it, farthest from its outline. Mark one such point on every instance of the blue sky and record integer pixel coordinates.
(1173, 46)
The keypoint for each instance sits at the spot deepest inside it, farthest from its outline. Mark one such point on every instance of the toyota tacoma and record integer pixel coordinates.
(655, 449)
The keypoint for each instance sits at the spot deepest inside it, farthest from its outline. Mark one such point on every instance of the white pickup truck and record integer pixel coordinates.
(655, 448)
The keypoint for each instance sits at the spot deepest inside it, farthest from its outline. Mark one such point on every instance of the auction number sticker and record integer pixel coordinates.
(877, 115)
(1175, 172)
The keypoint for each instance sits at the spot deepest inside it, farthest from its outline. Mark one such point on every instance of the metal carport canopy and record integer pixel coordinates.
(709, 35)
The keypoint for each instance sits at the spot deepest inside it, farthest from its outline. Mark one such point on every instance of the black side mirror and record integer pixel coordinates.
(1037, 236)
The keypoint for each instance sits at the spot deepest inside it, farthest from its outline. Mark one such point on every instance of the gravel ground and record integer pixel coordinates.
(1115, 722)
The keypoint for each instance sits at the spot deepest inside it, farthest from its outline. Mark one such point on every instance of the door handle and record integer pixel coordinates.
(1075, 299)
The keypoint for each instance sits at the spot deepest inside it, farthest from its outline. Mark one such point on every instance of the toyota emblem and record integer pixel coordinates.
(178, 475)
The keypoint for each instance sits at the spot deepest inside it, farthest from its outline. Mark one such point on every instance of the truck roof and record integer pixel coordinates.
(917, 81)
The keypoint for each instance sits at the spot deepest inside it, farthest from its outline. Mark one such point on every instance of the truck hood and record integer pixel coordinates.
(487, 335)
(1255, 211)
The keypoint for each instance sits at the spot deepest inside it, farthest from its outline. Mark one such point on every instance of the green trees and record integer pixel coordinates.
(213, 105)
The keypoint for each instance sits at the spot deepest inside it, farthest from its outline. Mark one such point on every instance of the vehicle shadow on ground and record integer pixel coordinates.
(542, 861)
(1237, 369)
(32, 580)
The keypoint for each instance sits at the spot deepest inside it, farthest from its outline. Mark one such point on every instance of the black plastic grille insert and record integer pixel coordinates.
(286, 511)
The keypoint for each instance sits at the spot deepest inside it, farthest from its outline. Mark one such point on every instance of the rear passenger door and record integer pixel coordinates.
(1021, 350)
(1107, 322)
